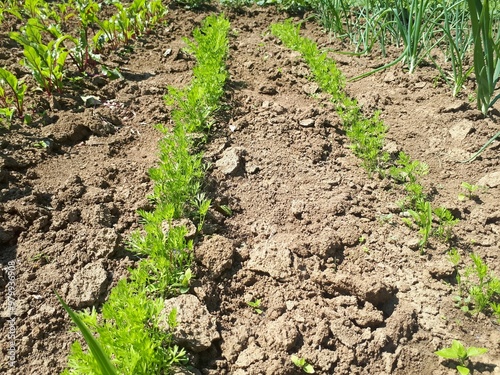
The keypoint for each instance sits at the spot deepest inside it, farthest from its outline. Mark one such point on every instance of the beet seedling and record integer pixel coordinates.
(255, 305)
(12, 93)
(458, 352)
(302, 364)
(46, 61)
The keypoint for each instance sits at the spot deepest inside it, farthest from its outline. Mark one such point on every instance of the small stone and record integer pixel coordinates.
(104, 242)
(368, 316)
(215, 254)
(91, 101)
(493, 217)
(375, 292)
(196, 328)
(460, 106)
(413, 243)
(307, 123)
(290, 305)
(491, 180)
(460, 130)
(252, 168)
(67, 132)
(250, 355)
(271, 257)
(298, 207)
(441, 270)
(231, 161)
(268, 90)
(310, 88)
(88, 286)
(177, 370)
(389, 77)
(391, 147)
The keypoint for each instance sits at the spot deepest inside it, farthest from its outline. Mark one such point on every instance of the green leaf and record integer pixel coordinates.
(102, 359)
(308, 369)
(296, 360)
(472, 351)
(9, 78)
(459, 349)
(447, 353)
(463, 370)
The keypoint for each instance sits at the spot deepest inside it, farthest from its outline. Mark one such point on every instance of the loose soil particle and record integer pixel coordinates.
(311, 235)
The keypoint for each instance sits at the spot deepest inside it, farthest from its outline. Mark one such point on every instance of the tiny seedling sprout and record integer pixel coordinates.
(459, 353)
(255, 305)
(302, 364)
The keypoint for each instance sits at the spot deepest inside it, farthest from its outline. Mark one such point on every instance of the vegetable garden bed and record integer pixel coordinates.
(304, 253)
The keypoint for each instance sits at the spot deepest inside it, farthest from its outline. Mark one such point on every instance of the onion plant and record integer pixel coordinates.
(416, 27)
(458, 38)
(334, 15)
(486, 53)
(413, 24)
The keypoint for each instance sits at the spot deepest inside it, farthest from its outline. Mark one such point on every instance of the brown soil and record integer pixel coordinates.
(317, 240)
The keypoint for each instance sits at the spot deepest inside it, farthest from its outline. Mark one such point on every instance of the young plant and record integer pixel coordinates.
(12, 93)
(459, 353)
(236, 4)
(454, 257)
(196, 104)
(302, 364)
(124, 23)
(486, 53)
(255, 305)
(423, 218)
(100, 356)
(334, 15)
(81, 53)
(202, 205)
(486, 289)
(407, 170)
(184, 281)
(459, 38)
(479, 288)
(470, 191)
(446, 222)
(108, 33)
(46, 61)
(130, 327)
(154, 13)
(365, 133)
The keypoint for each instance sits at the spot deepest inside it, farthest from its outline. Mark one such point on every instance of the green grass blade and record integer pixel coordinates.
(105, 364)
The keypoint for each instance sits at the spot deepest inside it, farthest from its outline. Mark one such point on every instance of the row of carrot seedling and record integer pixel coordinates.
(466, 32)
(478, 288)
(47, 47)
(367, 135)
(129, 340)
